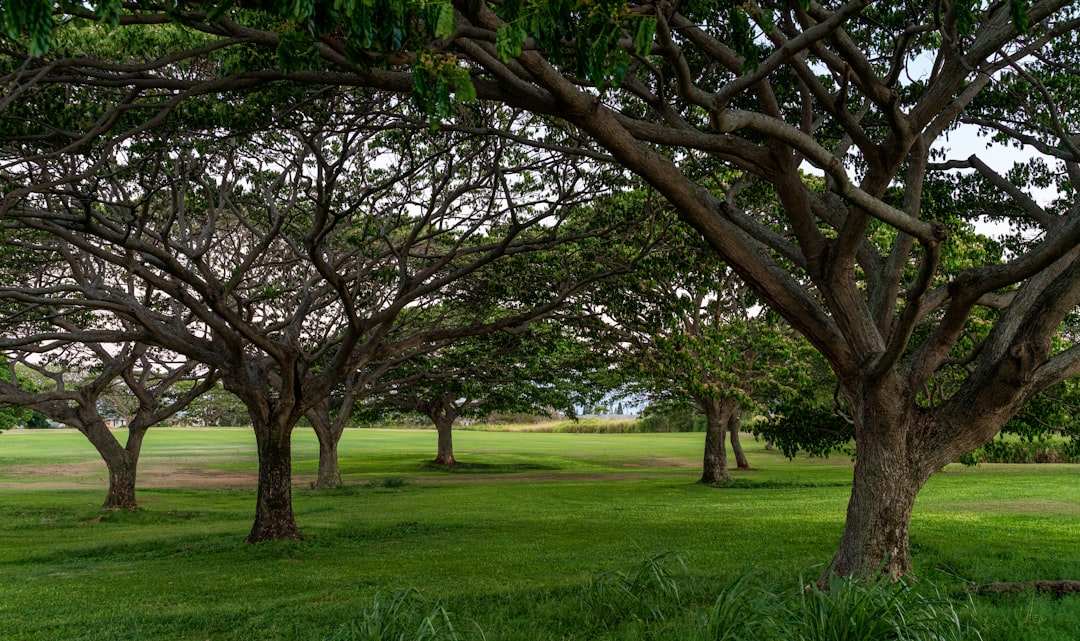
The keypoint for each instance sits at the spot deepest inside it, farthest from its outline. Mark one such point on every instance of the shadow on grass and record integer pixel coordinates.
(747, 484)
(489, 468)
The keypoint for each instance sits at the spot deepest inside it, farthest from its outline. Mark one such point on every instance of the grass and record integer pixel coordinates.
(516, 543)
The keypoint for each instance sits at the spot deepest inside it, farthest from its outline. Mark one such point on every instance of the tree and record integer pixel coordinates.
(288, 259)
(75, 378)
(537, 369)
(866, 93)
(689, 333)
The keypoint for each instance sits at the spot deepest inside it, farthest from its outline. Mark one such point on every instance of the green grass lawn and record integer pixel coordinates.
(510, 541)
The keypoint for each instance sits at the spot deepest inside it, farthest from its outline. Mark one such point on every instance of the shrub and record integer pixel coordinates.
(1025, 450)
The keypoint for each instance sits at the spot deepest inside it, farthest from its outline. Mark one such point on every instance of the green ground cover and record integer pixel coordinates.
(514, 541)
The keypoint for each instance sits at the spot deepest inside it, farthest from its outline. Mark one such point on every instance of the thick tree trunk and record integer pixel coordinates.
(274, 519)
(736, 445)
(444, 425)
(121, 495)
(889, 472)
(715, 467)
(875, 534)
(329, 473)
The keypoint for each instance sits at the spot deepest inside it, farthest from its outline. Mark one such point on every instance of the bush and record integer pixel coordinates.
(1025, 450)
(680, 419)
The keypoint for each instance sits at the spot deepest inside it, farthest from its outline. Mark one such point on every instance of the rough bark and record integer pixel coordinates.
(715, 467)
(274, 519)
(444, 425)
(889, 472)
(329, 472)
(883, 494)
(736, 444)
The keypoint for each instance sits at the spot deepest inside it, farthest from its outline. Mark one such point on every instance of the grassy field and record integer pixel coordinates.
(514, 541)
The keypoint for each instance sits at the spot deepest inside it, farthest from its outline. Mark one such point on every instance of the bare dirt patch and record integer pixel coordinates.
(1019, 506)
(164, 473)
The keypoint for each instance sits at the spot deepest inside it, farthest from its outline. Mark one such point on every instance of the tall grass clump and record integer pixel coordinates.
(881, 609)
(744, 610)
(405, 616)
(647, 593)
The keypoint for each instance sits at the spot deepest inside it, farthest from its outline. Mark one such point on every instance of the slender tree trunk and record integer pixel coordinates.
(444, 425)
(715, 468)
(274, 519)
(736, 444)
(329, 473)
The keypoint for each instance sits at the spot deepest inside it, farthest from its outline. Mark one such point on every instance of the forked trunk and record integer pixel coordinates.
(715, 467)
(120, 461)
(274, 519)
(736, 444)
(444, 425)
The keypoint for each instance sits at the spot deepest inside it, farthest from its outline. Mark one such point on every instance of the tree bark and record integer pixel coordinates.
(329, 472)
(121, 494)
(444, 425)
(274, 519)
(736, 444)
(120, 461)
(715, 467)
(889, 472)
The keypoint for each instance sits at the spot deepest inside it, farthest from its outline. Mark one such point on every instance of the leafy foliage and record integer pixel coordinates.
(801, 426)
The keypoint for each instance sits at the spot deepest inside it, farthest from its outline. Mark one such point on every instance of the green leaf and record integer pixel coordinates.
(447, 21)
(643, 37)
(464, 90)
(1018, 10)
(508, 41)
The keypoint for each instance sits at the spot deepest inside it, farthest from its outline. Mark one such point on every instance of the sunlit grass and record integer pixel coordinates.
(529, 522)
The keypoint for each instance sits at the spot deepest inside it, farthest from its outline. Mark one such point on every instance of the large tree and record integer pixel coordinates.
(868, 94)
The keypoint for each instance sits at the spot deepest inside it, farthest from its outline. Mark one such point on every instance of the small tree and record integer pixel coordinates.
(539, 369)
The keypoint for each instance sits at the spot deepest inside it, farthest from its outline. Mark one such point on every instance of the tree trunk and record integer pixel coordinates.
(274, 519)
(120, 461)
(875, 537)
(736, 445)
(121, 495)
(329, 473)
(889, 472)
(715, 468)
(444, 425)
